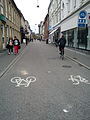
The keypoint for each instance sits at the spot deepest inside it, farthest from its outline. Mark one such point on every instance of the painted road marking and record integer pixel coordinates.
(64, 110)
(24, 72)
(77, 79)
(25, 82)
(67, 109)
(49, 71)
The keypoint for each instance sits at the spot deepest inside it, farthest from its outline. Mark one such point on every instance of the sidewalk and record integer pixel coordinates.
(79, 57)
(6, 59)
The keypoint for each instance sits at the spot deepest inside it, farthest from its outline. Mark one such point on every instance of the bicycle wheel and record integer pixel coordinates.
(15, 79)
(31, 79)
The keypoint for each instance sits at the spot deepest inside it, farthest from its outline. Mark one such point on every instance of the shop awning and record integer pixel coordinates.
(2, 18)
(53, 31)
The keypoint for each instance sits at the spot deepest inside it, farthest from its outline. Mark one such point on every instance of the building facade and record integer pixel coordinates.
(54, 11)
(10, 21)
(74, 22)
(45, 26)
(22, 28)
(27, 30)
(41, 30)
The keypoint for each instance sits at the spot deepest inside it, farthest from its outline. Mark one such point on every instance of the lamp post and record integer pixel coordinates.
(37, 4)
(36, 27)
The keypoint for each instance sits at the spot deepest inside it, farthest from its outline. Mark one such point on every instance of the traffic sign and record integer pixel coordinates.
(82, 14)
(81, 25)
(82, 19)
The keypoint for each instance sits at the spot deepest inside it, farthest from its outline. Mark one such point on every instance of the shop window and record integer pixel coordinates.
(70, 34)
(82, 37)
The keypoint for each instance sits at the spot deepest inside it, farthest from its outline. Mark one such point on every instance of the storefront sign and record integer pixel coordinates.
(82, 19)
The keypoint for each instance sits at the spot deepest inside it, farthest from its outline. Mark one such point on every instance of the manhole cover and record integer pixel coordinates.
(52, 58)
(66, 66)
(75, 58)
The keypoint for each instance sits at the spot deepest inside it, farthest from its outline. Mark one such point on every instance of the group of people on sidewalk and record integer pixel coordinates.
(13, 45)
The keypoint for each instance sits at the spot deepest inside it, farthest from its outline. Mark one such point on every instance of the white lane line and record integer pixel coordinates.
(11, 64)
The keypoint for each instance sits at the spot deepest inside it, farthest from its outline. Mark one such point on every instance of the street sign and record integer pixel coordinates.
(82, 19)
(81, 25)
(82, 14)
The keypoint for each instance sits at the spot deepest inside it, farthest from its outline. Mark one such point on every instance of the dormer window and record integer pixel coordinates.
(63, 5)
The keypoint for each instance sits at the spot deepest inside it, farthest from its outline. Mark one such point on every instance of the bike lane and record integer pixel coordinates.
(44, 88)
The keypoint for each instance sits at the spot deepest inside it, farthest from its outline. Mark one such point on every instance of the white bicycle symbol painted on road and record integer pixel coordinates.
(19, 81)
(77, 79)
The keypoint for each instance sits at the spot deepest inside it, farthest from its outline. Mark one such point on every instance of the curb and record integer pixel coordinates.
(11, 64)
(78, 62)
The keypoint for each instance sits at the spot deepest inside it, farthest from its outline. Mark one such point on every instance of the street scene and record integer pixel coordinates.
(45, 60)
(39, 85)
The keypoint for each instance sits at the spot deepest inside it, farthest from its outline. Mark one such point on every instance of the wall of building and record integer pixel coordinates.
(76, 37)
(68, 22)
(10, 24)
(45, 25)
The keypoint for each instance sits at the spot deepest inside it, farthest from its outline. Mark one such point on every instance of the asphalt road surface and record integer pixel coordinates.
(41, 86)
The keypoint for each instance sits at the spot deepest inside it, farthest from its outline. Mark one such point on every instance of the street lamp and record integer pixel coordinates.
(36, 27)
(37, 4)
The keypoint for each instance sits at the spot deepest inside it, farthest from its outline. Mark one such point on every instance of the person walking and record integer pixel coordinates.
(61, 43)
(16, 44)
(26, 40)
(10, 46)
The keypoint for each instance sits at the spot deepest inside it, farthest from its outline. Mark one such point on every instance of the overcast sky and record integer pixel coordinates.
(31, 13)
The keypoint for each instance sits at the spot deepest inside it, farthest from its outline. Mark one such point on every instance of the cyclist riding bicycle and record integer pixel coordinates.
(61, 43)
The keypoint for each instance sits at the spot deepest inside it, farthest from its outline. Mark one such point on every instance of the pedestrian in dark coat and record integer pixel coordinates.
(10, 46)
(61, 43)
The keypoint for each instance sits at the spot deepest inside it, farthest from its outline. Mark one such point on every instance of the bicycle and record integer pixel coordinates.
(25, 82)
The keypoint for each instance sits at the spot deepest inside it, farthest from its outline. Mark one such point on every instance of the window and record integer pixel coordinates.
(70, 34)
(74, 3)
(1, 6)
(1, 1)
(82, 1)
(82, 37)
(6, 8)
(62, 5)
(13, 16)
(12, 13)
(7, 31)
